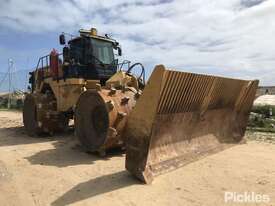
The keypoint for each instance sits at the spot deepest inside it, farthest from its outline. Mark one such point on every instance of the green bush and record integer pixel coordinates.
(264, 110)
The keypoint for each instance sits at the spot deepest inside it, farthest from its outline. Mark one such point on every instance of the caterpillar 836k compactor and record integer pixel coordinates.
(175, 118)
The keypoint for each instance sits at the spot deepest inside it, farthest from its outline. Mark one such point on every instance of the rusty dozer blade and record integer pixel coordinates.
(182, 117)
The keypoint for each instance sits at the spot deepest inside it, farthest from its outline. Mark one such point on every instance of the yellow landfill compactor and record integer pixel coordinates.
(173, 119)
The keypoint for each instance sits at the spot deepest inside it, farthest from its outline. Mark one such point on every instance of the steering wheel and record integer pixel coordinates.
(141, 77)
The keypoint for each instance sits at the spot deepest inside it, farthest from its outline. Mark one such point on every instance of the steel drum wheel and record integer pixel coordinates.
(30, 116)
(91, 121)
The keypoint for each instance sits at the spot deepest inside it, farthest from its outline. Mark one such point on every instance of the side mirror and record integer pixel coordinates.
(117, 47)
(62, 40)
(119, 51)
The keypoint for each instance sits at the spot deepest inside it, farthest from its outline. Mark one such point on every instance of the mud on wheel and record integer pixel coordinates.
(30, 121)
(91, 121)
(40, 116)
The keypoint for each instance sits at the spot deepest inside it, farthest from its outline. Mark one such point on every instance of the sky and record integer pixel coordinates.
(233, 38)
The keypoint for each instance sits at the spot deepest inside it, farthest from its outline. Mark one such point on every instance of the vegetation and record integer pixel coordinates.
(16, 101)
(266, 110)
(262, 119)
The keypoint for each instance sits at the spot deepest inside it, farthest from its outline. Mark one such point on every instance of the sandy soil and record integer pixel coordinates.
(55, 171)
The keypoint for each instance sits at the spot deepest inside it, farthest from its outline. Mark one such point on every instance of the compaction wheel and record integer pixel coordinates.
(91, 121)
(30, 116)
(40, 116)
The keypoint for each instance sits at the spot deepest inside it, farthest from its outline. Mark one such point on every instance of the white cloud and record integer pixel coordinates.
(232, 38)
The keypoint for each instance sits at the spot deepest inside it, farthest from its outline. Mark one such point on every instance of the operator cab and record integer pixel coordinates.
(89, 56)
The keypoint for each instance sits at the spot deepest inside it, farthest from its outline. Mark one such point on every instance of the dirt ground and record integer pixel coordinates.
(55, 171)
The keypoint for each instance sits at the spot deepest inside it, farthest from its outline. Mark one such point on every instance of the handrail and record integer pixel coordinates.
(47, 63)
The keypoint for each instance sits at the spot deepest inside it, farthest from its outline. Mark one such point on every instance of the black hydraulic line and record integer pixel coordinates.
(142, 74)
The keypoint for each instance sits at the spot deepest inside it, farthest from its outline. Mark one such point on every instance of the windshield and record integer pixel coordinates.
(103, 51)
